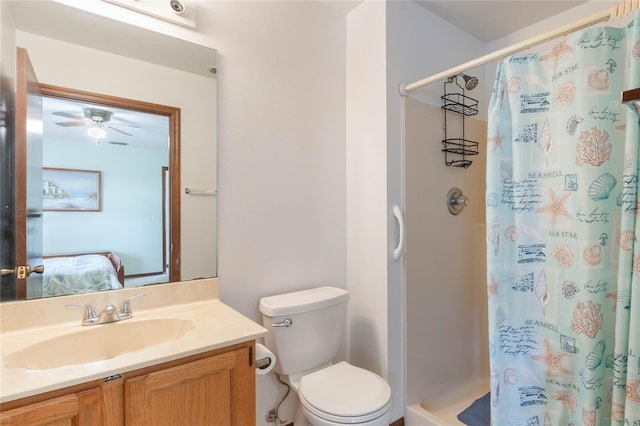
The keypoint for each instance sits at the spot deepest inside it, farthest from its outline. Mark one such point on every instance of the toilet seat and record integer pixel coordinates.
(343, 393)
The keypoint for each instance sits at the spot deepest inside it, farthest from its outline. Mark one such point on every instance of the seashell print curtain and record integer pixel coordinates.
(563, 222)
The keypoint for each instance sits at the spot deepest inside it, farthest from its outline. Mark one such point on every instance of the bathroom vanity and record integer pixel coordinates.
(192, 363)
(217, 387)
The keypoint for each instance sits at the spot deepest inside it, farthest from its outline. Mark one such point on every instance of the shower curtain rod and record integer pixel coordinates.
(502, 53)
(631, 95)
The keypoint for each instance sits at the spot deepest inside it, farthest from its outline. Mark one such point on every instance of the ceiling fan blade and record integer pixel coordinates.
(119, 131)
(71, 123)
(111, 123)
(65, 114)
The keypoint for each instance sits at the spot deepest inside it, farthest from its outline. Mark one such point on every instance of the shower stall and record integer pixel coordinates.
(446, 328)
(447, 365)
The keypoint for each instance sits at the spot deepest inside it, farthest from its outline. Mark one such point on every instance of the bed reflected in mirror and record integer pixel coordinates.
(81, 273)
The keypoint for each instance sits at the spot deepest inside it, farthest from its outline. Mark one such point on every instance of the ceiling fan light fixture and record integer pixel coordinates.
(97, 115)
(97, 133)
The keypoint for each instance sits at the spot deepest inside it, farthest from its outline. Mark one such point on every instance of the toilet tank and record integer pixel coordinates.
(318, 319)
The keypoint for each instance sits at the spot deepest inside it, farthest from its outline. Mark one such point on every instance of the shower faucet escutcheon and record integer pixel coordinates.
(456, 201)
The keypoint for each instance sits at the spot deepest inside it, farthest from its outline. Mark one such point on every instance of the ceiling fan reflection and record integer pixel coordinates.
(93, 117)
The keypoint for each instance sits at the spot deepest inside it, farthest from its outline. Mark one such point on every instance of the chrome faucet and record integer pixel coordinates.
(125, 309)
(108, 314)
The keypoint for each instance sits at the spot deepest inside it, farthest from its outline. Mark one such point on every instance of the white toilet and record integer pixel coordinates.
(305, 330)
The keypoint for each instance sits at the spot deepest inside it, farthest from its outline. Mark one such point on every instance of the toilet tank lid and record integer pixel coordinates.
(302, 301)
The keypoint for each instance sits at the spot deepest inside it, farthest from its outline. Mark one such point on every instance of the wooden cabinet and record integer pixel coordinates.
(212, 391)
(78, 408)
(214, 388)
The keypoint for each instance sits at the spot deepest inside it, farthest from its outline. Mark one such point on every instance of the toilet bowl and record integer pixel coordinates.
(345, 395)
(305, 330)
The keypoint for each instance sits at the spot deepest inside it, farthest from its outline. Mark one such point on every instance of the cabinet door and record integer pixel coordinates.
(218, 391)
(80, 408)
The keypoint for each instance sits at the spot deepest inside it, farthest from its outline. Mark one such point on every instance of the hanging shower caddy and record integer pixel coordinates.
(456, 150)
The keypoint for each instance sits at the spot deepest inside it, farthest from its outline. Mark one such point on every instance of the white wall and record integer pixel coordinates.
(366, 186)
(130, 203)
(281, 140)
(281, 143)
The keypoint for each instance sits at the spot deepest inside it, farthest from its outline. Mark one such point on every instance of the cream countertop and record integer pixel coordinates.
(24, 323)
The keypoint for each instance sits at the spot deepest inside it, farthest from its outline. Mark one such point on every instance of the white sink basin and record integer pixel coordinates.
(98, 343)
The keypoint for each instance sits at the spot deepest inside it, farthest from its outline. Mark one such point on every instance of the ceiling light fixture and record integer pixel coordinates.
(97, 133)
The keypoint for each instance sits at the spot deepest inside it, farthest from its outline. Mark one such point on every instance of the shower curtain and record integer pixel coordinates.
(562, 233)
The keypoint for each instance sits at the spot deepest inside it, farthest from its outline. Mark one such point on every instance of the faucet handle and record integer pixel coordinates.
(125, 309)
(89, 317)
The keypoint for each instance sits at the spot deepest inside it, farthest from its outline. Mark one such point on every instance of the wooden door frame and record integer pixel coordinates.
(173, 114)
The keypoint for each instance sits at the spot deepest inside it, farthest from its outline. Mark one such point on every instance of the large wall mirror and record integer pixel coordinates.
(100, 73)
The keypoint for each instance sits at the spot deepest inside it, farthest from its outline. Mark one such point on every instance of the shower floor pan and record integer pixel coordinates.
(444, 410)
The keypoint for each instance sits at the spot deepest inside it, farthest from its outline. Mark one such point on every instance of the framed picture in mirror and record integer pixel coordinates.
(70, 190)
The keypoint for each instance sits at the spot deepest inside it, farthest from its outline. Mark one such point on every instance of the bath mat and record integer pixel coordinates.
(478, 413)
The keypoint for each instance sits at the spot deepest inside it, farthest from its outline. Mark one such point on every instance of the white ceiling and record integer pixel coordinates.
(486, 20)
(491, 20)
